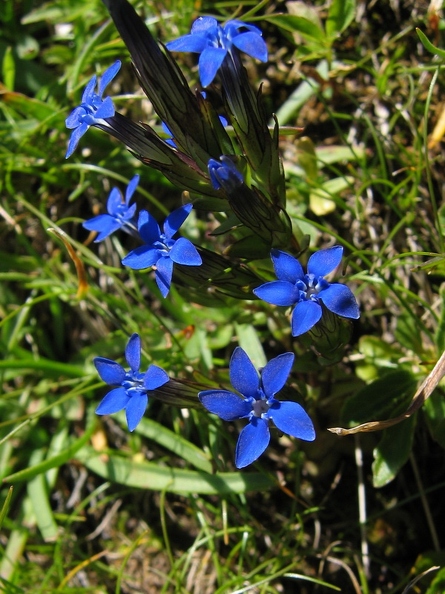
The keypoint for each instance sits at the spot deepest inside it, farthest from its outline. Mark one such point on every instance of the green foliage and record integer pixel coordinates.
(91, 506)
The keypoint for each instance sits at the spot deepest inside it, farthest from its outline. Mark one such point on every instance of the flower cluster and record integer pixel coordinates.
(92, 110)
(161, 250)
(215, 43)
(308, 291)
(258, 405)
(219, 150)
(120, 214)
(132, 387)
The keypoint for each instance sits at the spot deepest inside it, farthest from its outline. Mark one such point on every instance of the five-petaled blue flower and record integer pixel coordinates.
(224, 174)
(120, 214)
(161, 250)
(306, 291)
(93, 108)
(258, 404)
(131, 394)
(214, 42)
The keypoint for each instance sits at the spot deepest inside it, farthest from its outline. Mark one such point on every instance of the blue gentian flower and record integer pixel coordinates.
(161, 250)
(224, 174)
(306, 291)
(258, 404)
(92, 109)
(133, 385)
(214, 42)
(120, 213)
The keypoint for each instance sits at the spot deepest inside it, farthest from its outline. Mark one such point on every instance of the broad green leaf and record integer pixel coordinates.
(340, 15)
(321, 199)
(429, 46)
(438, 584)
(440, 330)
(249, 341)
(27, 47)
(434, 411)
(299, 24)
(380, 399)
(148, 475)
(307, 158)
(378, 354)
(336, 153)
(392, 452)
(427, 568)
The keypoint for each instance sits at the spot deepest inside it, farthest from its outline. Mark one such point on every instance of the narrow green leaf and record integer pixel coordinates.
(5, 506)
(51, 368)
(8, 68)
(43, 466)
(175, 443)
(38, 494)
(148, 475)
(428, 45)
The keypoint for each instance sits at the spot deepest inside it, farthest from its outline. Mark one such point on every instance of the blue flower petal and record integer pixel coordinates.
(205, 27)
(113, 402)
(243, 375)
(188, 43)
(105, 110)
(72, 121)
(292, 419)
(155, 377)
(278, 293)
(184, 252)
(305, 315)
(104, 224)
(275, 374)
(252, 442)
(224, 174)
(175, 220)
(133, 352)
(210, 61)
(88, 92)
(148, 228)
(135, 409)
(164, 271)
(340, 300)
(114, 202)
(252, 44)
(131, 189)
(108, 76)
(287, 268)
(227, 405)
(110, 372)
(129, 213)
(323, 262)
(142, 257)
(76, 135)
